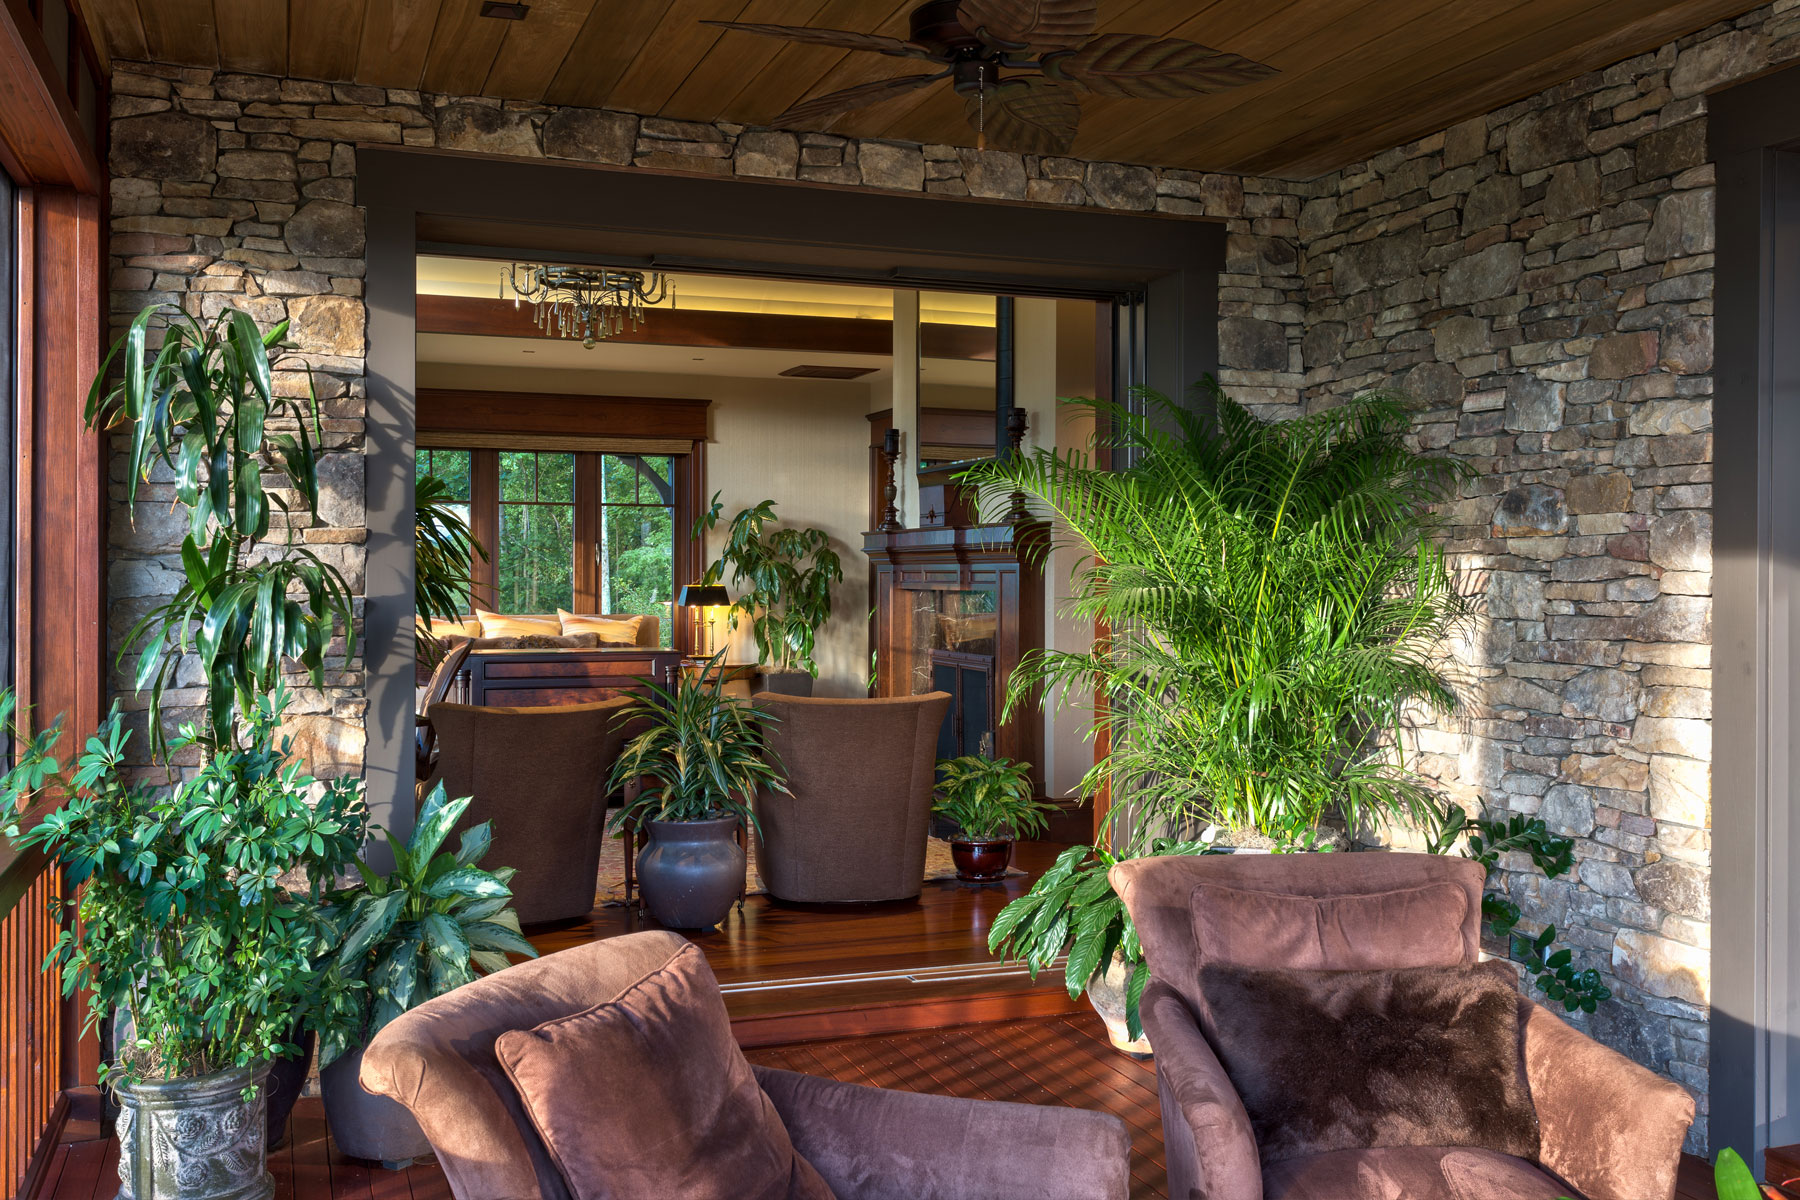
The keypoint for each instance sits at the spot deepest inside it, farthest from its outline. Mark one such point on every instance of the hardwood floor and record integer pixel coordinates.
(802, 973)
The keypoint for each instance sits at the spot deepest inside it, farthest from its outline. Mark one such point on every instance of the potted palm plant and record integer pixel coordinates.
(990, 803)
(783, 580)
(399, 940)
(1275, 596)
(688, 777)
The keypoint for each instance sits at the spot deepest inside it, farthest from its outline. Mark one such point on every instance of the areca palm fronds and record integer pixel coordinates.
(1275, 599)
(444, 553)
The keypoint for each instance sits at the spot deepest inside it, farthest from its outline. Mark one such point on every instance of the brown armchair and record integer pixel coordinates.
(539, 774)
(860, 774)
(868, 1143)
(1609, 1129)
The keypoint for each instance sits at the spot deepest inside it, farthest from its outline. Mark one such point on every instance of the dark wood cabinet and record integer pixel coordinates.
(955, 608)
(535, 678)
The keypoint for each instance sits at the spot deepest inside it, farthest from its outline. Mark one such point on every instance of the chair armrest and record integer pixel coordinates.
(875, 1144)
(1208, 1142)
(1607, 1125)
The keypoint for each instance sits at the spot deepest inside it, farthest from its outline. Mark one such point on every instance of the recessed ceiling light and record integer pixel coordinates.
(504, 12)
(699, 358)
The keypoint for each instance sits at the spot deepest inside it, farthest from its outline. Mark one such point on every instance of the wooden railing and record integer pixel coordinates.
(31, 1016)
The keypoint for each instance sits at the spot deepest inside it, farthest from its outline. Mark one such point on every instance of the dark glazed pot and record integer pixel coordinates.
(981, 862)
(286, 1077)
(366, 1125)
(691, 872)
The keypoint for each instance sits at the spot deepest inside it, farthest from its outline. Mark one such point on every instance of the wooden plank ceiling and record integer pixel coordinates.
(1356, 76)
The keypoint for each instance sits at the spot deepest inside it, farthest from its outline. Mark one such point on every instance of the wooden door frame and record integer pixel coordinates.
(421, 200)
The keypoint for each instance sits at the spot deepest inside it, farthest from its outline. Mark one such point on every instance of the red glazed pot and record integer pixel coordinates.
(981, 862)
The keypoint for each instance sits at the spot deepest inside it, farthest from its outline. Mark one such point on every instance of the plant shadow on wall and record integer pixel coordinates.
(783, 579)
(1276, 600)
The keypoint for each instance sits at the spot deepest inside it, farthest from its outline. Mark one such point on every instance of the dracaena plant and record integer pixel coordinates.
(432, 924)
(699, 754)
(783, 579)
(989, 798)
(188, 917)
(204, 406)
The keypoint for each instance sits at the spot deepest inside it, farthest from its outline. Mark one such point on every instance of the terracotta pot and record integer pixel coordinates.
(690, 873)
(1106, 992)
(195, 1139)
(366, 1125)
(981, 862)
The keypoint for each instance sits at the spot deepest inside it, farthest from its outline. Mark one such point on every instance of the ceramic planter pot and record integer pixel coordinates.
(195, 1139)
(366, 1125)
(1106, 992)
(981, 862)
(287, 1076)
(690, 873)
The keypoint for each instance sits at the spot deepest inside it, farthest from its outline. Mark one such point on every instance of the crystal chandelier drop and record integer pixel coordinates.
(590, 303)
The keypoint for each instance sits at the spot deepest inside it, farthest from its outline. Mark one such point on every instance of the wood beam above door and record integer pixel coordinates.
(482, 317)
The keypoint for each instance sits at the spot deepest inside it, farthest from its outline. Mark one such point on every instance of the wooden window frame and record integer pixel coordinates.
(687, 479)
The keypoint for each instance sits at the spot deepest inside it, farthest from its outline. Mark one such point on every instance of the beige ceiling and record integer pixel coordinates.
(1355, 76)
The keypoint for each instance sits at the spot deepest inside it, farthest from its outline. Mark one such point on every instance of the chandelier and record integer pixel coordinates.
(590, 303)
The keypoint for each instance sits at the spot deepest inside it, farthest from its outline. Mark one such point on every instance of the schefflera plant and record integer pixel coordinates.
(204, 406)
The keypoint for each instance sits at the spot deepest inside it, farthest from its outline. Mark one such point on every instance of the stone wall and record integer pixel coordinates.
(1541, 280)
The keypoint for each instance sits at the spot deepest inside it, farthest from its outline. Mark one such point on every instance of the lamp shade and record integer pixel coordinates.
(703, 595)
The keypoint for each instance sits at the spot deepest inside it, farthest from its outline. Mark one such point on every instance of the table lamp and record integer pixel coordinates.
(704, 596)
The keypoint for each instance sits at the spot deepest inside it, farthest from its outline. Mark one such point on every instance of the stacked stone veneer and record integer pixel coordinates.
(1540, 278)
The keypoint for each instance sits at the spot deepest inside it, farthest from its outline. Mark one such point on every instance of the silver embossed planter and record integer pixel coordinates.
(195, 1139)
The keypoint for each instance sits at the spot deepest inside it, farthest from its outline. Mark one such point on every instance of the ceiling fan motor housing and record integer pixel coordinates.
(935, 26)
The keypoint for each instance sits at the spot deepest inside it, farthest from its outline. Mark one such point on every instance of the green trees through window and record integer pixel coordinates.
(536, 546)
(637, 536)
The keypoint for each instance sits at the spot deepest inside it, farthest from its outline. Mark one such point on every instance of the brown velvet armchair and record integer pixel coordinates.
(539, 774)
(854, 822)
(1609, 1129)
(868, 1143)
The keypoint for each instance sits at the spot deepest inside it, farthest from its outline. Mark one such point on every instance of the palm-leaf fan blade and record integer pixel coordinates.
(1144, 67)
(831, 104)
(843, 39)
(1027, 116)
(1030, 24)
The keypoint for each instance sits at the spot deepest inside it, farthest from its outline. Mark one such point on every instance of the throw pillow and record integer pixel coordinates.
(648, 1096)
(1408, 927)
(613, 631)
(499, 625)
(1342, 1060)
(468, 627)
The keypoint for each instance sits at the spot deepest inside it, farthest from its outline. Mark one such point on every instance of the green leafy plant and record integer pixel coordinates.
(783, 581)
(203, 407)
(185, 921)
(1073, 907)
(990, 798)
(1275, 599)
(429, 926)
(444, 553)
(1485, 840)
(700, 754)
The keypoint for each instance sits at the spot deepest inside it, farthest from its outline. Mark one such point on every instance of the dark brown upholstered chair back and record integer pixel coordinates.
(861, 774)
(539, 774)
(1402, 910)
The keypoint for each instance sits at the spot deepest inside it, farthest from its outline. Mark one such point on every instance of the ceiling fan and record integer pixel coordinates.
(1019, 65)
